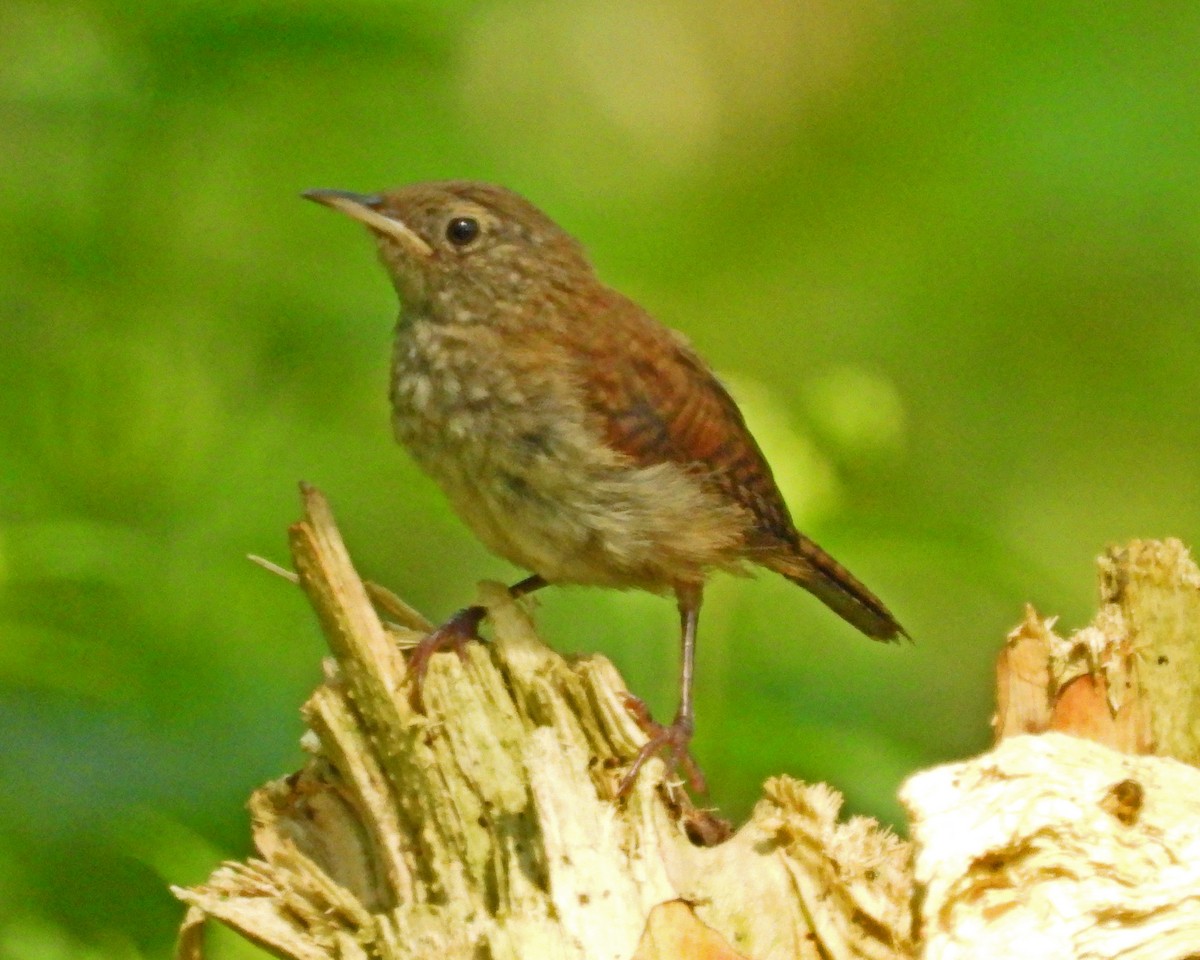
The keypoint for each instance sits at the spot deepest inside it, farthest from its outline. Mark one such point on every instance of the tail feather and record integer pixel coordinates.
(835, 586)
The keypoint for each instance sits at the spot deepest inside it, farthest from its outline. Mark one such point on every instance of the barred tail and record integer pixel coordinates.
(835, 586)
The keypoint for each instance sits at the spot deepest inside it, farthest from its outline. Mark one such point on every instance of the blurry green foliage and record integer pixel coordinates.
(947, 253)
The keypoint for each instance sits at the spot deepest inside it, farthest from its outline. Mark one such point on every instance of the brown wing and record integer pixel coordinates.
(658, 402)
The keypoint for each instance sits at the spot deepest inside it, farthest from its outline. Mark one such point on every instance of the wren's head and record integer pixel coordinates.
(457, 246)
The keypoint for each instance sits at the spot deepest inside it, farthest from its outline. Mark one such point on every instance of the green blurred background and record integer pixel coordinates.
(946, 254)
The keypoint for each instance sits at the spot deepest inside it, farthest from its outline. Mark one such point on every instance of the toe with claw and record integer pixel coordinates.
(454, 635)
(673, 738)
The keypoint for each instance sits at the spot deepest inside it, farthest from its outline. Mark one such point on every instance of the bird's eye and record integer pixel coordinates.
(462, 230)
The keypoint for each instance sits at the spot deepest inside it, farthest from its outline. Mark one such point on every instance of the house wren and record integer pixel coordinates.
(577, 437)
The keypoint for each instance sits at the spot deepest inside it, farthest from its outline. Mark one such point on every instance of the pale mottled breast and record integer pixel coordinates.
(442, 386)
(505, 432)
(492, 437)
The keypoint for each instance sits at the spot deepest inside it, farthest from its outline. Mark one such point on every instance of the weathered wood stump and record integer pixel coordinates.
(488, 827)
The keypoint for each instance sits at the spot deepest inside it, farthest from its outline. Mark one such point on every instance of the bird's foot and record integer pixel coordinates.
(673, 738)
(454, 635)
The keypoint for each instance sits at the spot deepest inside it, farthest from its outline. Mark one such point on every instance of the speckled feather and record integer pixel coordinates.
(660, 402)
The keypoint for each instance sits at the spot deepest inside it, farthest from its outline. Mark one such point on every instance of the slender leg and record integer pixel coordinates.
(454, 635)
(676, 737)
(688, 597)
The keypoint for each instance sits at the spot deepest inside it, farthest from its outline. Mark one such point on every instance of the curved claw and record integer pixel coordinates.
(673, 738)
(454, 635)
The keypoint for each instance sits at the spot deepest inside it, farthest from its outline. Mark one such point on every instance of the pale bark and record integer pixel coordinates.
(1054, 846)
(1081, 846)
(488, 827)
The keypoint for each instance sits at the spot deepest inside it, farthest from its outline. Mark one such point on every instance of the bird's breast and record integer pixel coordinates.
(452, 392)
(493, 435)
(505, 435)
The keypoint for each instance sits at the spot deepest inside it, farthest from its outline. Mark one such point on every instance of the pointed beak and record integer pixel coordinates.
(366, 209)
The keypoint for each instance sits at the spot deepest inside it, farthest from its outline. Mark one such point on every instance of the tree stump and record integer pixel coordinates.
(488, 827)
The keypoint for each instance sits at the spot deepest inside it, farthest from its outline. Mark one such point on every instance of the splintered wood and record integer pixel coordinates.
(1131, 680)
(1081, 846)
(488, 827)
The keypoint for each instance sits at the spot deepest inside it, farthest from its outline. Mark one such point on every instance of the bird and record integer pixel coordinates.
(578, 437)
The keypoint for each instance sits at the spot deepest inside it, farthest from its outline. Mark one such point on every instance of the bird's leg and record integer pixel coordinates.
(454, 635)
(676, 737)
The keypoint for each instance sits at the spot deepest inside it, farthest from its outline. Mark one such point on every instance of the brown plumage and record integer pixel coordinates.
(577, 436)
(664, 404)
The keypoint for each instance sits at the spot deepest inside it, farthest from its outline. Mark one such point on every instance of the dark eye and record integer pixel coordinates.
(462, 230)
